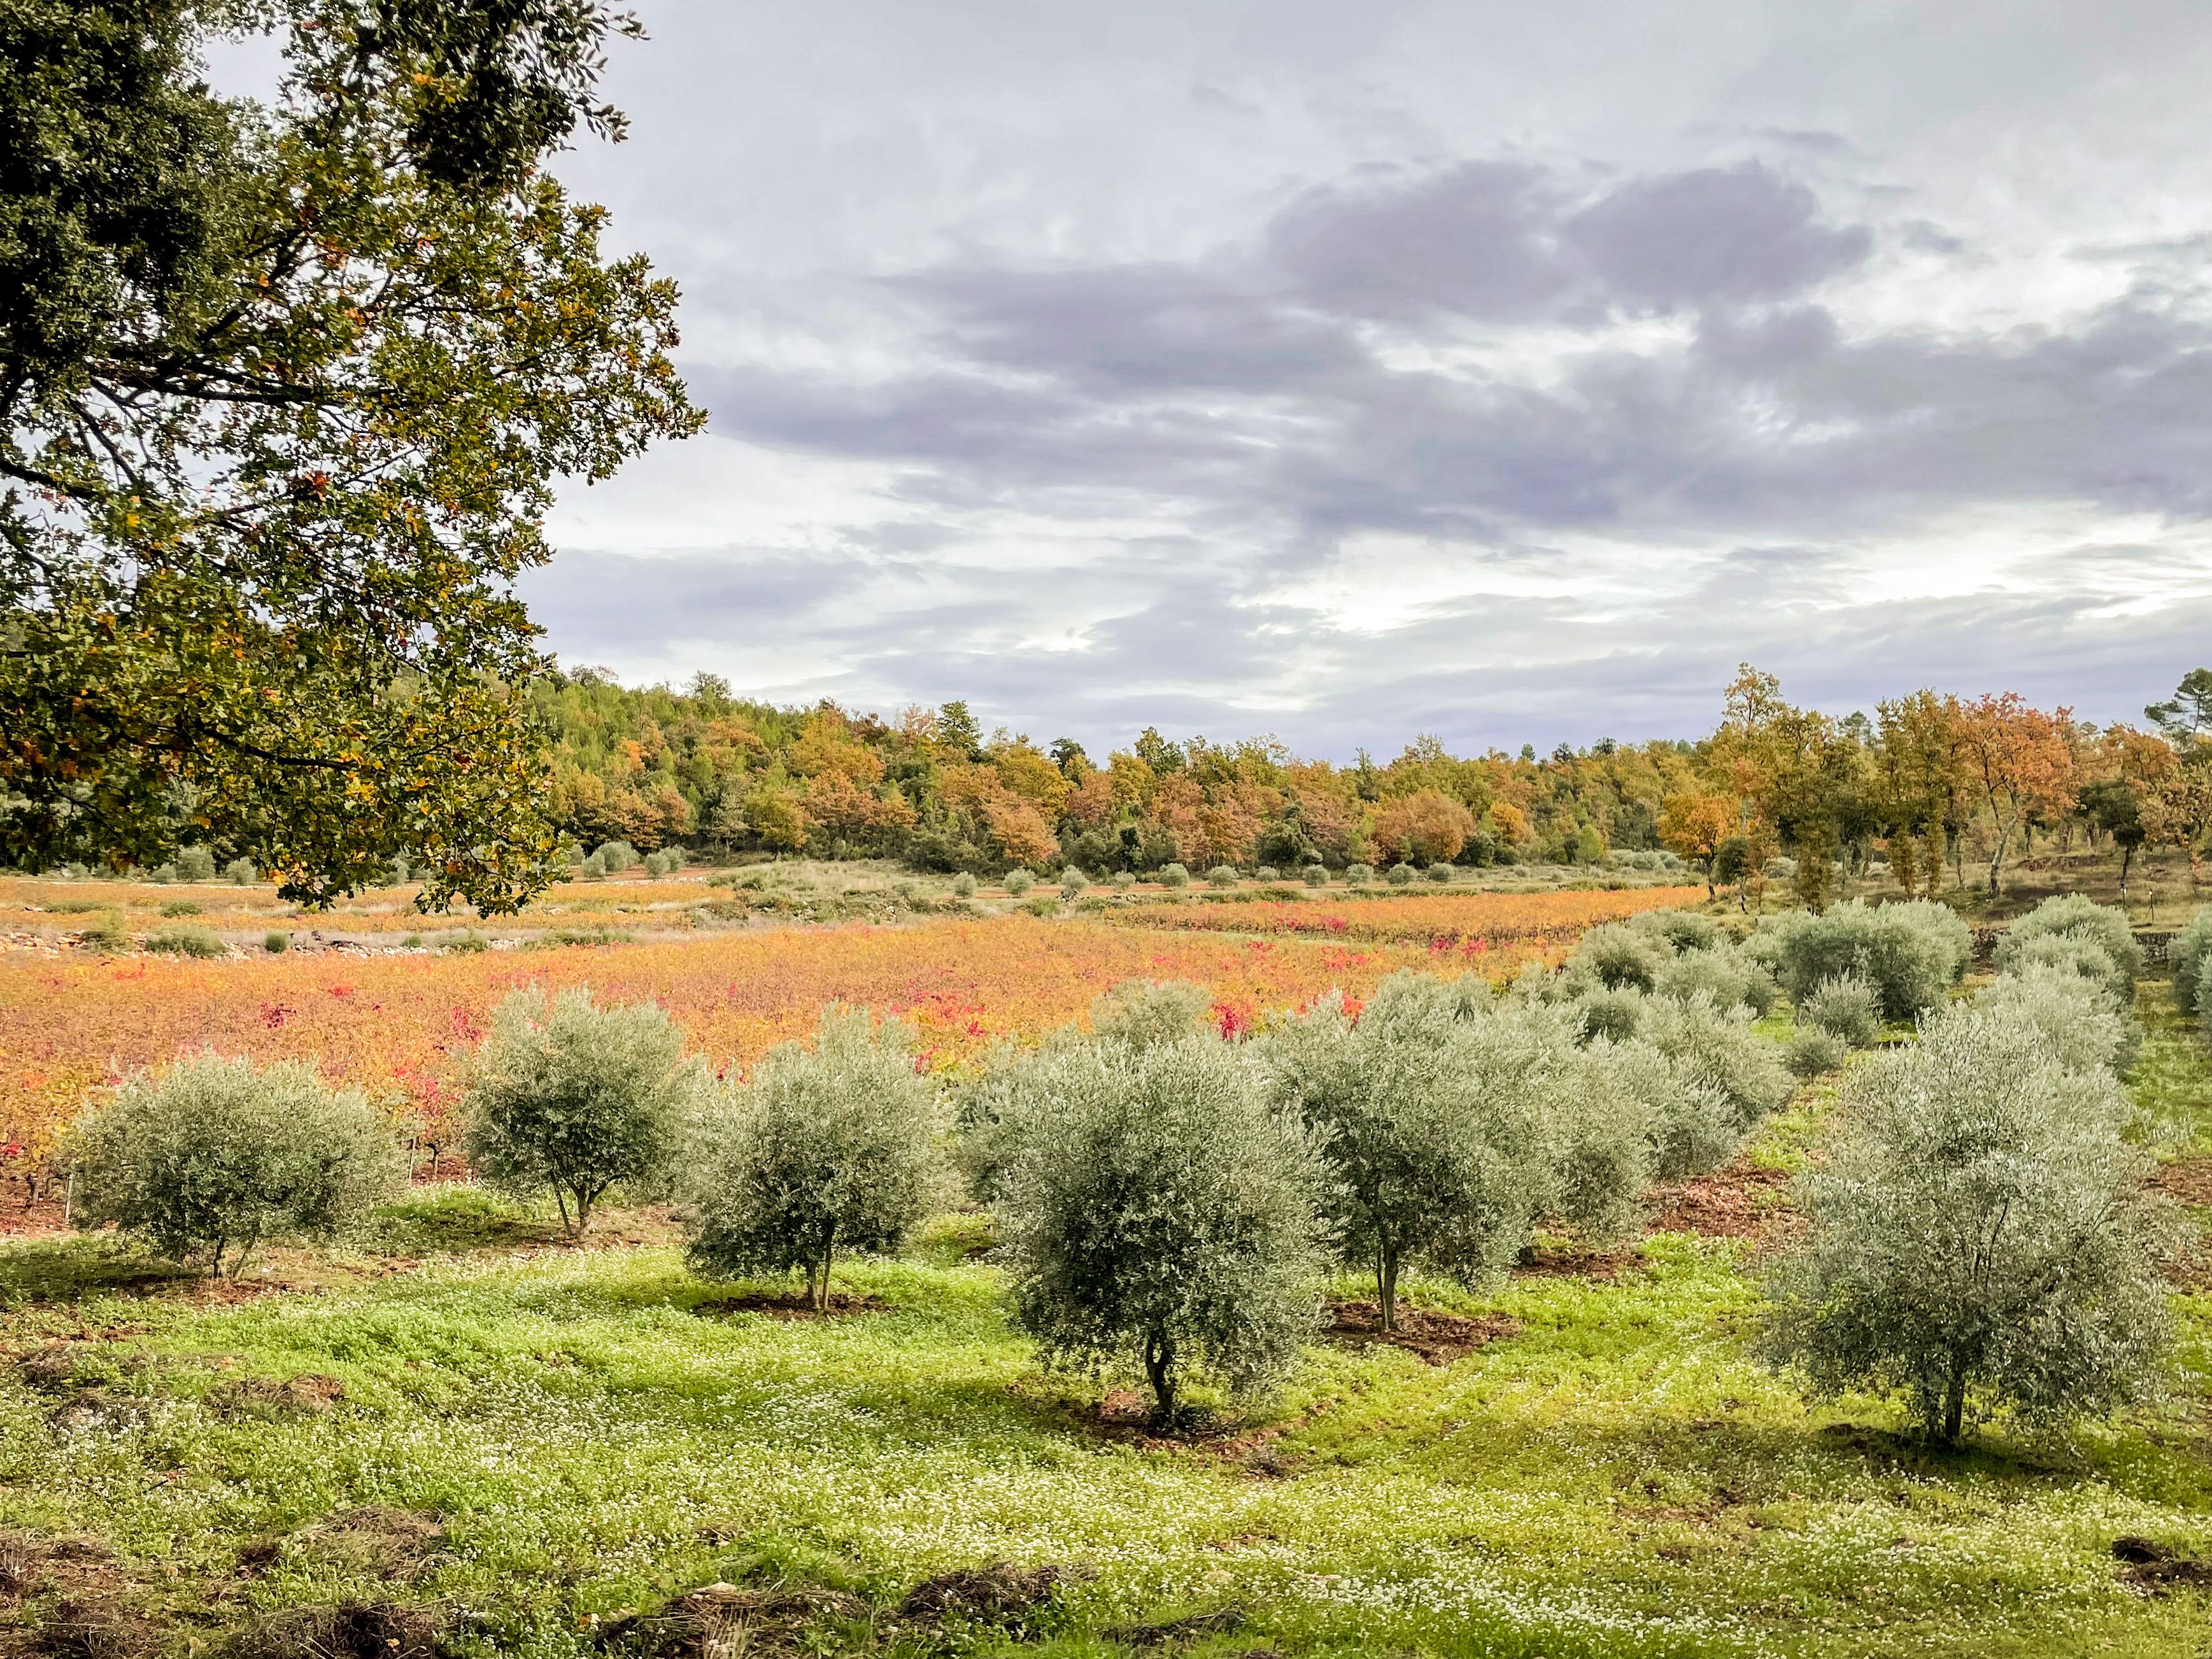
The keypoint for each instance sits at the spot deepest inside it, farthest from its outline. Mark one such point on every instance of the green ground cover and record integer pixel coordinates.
(528, 1437)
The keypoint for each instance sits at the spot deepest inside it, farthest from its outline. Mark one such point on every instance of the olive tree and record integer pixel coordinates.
(1980, 1242)
(2189, 951)
(1165, 1216)
(827, 1146)
(1447, 1125)
(2080, 920)
(568, 1097)
(1911, 953)
(214, 1156)
(1143, 1013)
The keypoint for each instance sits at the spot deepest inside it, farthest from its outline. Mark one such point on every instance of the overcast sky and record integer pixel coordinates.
(1342, 369)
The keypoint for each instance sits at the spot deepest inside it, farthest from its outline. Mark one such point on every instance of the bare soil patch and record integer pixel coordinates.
(793, 1304)
(720, 1620)
(2157, 1568)
(1438, 1338)
(2188, 1178)
(1741, 1201)
(1575, 1261)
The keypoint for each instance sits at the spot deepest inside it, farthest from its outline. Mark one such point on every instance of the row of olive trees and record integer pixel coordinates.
(1982, 1245)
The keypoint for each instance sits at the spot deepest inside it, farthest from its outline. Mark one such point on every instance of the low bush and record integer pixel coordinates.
(1717, 1049)
(180, 908)
(183, 940)
(2075, 1017)
(1315, 875)
(1981, 1245)
(106, 934)
(1691, 1125)
(1725, 975)
(241, 872)
(1174, 875)
(665, 862)
(1399, 875)
(1847, 1008)
(1441, 873)
(1813, 1051)
(1123, 880)
(1911, 953)
(572, 1099)
(195, 864)
(1222, 875)
(276, 943)
(1072, 881)
(2075, 916)
(1684, 931)
(1145, 1012)
(1615, 955)
(2187, 954)
(964, 885)
(1267, 872)
(215, 1156)
(2084, 958)
(1165, 1222)
(827, 1147)
(1611, 1012)
(1018, 882)
(1357, 874)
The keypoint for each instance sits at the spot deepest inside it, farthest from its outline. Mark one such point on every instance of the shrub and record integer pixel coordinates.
(1145, 1012)
(2072, 953)
(1683, 930)
(241, 872)
(195, 864)
(2187, 953)
(1616, 955)
(1980, 1245)
(401, 870)
(106, 934)
(665, 862)
(1911, 953)
(1609, 1012)
(1167, 1220)
(1717, 1049)
(182, 939)
(467, 942)
(1072, 881)
(1727, 975)
(2075, 916)
(1018, 882)
(1847, 1008)
(1813, 1051)
(214, 1156)
(612, 858)
(1222, 875)
(829, 1146)
(1267, 872)
(276, 943)
(1356, 875)
(1691, 1125)
(1044, 904)
(964, 885)
(566, 1097)
(180, 908)
(1174, 875)
(1440, 873)
(2084, 1029)
(1315, 875)
(1123, 881)
(1448, 1126)
(1398, 875)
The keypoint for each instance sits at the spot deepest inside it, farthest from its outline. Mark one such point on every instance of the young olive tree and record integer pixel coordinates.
(1981, 1244)
(1165, 1216)
(2080, 920)
(568, 1097)
(1142, 1012)
(1446, 1126)
(829, 1146)
(213, 1156)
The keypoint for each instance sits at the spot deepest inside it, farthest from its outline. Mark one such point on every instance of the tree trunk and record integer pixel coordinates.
(2127, 857)
(1954, 1404)
(1160, 1367)
(561, 1198)
(822, 1293)
(1996, 858)
(1386, 1285)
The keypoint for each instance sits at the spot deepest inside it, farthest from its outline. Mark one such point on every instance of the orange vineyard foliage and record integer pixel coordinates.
(399, 1025)
(1447, 920)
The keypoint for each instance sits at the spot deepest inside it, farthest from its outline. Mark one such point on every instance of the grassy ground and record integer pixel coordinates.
(468, 1416)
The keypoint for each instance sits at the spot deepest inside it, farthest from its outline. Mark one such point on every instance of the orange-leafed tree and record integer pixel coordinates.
(1425, 827)
(2020, 762)
(1694, 827)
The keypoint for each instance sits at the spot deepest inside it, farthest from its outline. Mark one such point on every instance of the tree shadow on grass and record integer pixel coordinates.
(72, 1269)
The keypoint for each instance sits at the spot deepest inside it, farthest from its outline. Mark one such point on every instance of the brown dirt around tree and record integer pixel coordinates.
(1741, 1201)
(720, 1620)
(793, 1304)
(2187, 1178)
(1438, 1338)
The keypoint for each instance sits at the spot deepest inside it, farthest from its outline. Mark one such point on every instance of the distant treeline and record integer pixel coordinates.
(1926, 781)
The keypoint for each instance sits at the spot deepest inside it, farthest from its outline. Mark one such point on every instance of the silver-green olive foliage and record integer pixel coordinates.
(827, 1147)
(215, 1156)
(569, 1098)
(1162, 1217)
(1981, 1246)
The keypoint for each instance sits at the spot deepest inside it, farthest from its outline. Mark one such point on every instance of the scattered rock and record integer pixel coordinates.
(1222, 1622)
(1438, 1338)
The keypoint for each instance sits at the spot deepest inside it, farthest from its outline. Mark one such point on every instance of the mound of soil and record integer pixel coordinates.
(1000, 1593)
(1741, 1201)
(308, 1395)
(1223, 1622)
(1438, 1338)
(793, 1304)
(350, 1630)
(2158, 1568)
(716, 1620)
